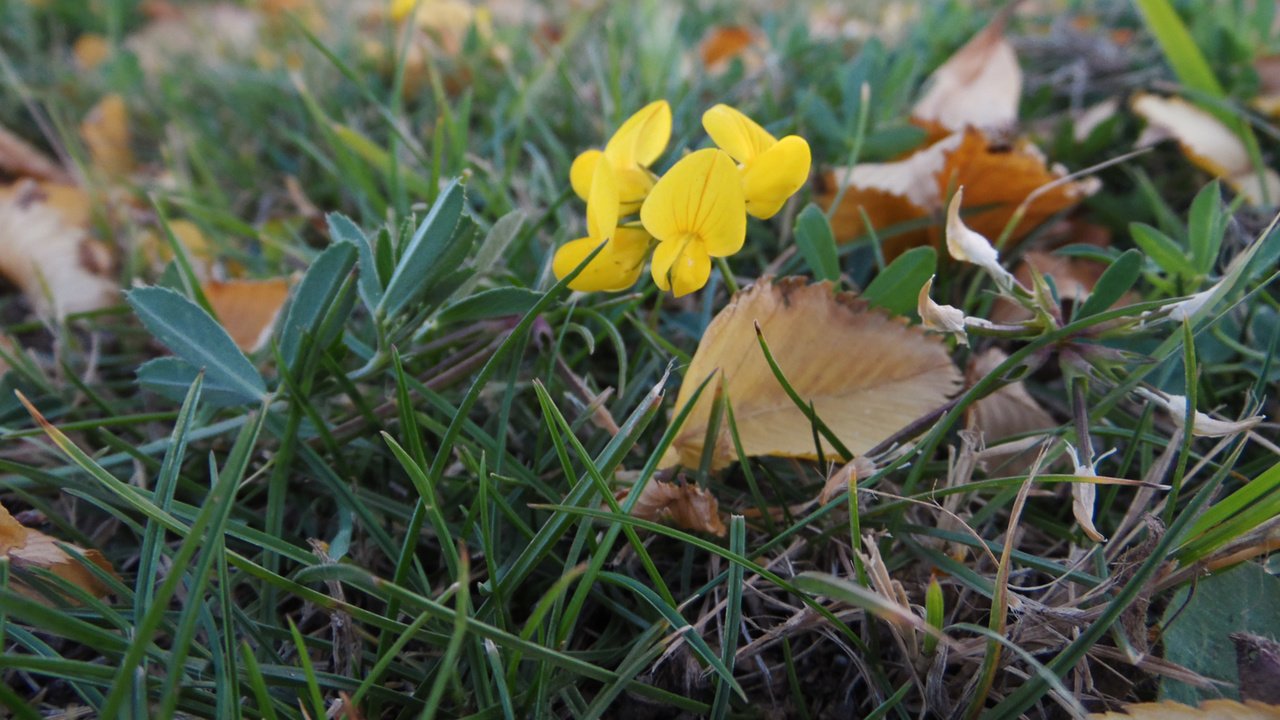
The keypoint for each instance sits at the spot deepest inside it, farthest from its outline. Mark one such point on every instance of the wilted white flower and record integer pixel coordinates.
(1203, 425)
(1085, 494)
(971, 247)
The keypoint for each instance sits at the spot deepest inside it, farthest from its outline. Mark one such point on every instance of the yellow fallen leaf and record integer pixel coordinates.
(29, 548)
(71, 201)
(247, 308)
(105, 131)
(1208, 710)
(90, 50)
(979, 86)
(1208, 144)
(51, 260)
(682, 505)
(866, 373)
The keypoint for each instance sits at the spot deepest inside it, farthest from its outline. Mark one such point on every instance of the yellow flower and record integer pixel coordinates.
(697, 211)
(630, 152)
(772, 170)
(618, 265)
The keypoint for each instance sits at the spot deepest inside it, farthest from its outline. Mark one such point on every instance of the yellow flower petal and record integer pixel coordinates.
(775, 175)
(602, 204)
(736, 133)
(634, 185)
(642, 137)
(681, 265)
(702, 196)
(616, 268)
(582, 171)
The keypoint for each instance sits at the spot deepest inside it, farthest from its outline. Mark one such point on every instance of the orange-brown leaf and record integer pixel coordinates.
(685, 506)
(724, 43)
(29, 548)
(1001, 178)
(866, 373)
(20, 158)
(247, 308)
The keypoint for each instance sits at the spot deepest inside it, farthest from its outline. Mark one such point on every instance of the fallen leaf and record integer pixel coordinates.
(1074, 278)
(846, 477)
(71, 201)
(247, 308)
(997, 178)
(29, 548)
(978, 87)
(724, 43)
(1268, 100)
(90, 50)
(1208, 710)
(205, 36)
(19, 158)
(867, 374)
(1208, 144)
(1004, 413)
(682, 505)
(1001, 177)
(50, 259)
(105, 131)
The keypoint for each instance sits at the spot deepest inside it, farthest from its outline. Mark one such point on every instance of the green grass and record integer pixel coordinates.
(406, 502)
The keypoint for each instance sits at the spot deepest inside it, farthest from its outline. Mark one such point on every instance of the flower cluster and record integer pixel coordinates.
(696, 211)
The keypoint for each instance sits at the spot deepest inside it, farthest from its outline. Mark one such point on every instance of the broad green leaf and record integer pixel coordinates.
(314, 296)
(341, 229)
(1114, 283)
(425, 259)
(1198, 621)
(1162, 249)
(187, 330)
(1206, 226)
(172, 377)
(489, 304)
(817, 243)
(495, 244)
(897, 287)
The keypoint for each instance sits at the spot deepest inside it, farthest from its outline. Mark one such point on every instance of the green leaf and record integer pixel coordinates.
(1114, 283)
(425, 259)
(1161, 248)
(341, 229)
(897, 287)
(314, 296)
(1198, 622)
(500, 237)
(489, 304)
(1206, 226)
(187, 330)
(172, 377)
(817, 243)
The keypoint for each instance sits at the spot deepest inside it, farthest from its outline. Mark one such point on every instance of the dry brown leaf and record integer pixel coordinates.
(1004, 413)
(105, 131)
(1208, 710)
(724, 43)
(247, 308)
(979, 86)
(1268, 100)
(867, 374)
(682, 505)
(50, 259)
(1001, 177)
(19, 158)
(1207, 143)
(29, 548)
(995, 176)
(846, 477)
(205, 35)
